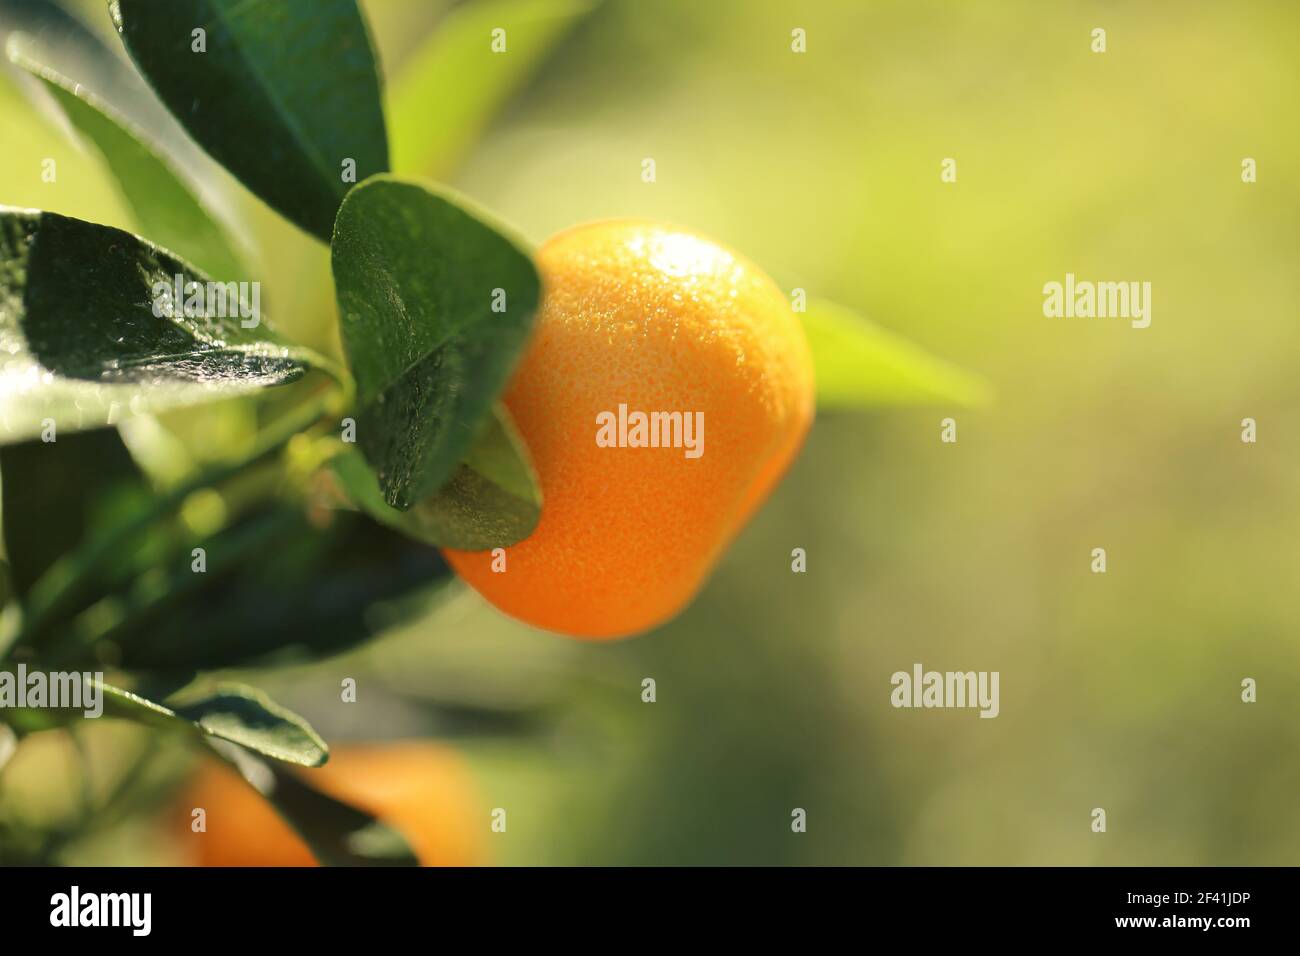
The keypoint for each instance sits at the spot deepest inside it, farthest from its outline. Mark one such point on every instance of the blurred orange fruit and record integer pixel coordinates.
(638, 317)
(421, 789)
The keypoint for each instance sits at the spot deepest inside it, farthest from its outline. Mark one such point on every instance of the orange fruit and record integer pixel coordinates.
(642, 317)
(421, 789)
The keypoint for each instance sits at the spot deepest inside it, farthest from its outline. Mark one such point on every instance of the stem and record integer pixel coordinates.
(8, 745)
(112, 808)
(85, 785)
(68, 579)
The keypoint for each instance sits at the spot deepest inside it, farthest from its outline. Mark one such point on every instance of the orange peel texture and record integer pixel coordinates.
(654, 319)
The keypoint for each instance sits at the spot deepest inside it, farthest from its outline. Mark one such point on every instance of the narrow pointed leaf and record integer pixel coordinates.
(457, 81)
(233, 713)
(436, 304)
(858, 364)
(284, 93)
(164, 205)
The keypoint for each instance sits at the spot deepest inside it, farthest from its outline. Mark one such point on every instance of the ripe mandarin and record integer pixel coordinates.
(421, 789)
(654, 319)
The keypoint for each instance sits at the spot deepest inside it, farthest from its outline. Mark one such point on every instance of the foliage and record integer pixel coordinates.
(301, 534)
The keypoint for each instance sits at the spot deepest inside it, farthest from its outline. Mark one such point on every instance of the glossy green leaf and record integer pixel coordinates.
(337, 833)
(492, 500)
(83, 346)
(454, 84)
(247, 717)
(418, 274)
(285, 94)
(164, 206)
(234, 713)
(860, 365)
(127, 705)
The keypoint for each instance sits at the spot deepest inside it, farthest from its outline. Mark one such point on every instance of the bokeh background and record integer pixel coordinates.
(1120, 690)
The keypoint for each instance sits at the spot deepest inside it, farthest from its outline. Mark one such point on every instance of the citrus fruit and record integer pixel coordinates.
(422, 790)
(665, 390)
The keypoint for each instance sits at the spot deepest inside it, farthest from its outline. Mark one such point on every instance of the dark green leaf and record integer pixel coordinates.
(860, 365)
(492, 500)
(337, 833)
(163, 204)
(82, 344)
(455, 83)
(417, 274)
(50, 498)
(286, 93)
(278, 587)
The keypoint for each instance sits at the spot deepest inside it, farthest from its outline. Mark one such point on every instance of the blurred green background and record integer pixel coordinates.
(1119, 691)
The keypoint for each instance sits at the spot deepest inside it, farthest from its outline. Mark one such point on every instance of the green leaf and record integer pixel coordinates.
(417, 273)
(126, 705)
(164, 206)
(454, 83)
(83, 347)
(860, 365)
(280, 588)
(285, 94)
(337, 833)
(48, 503)
(235, 713)
(245, 716)
(492, 500)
